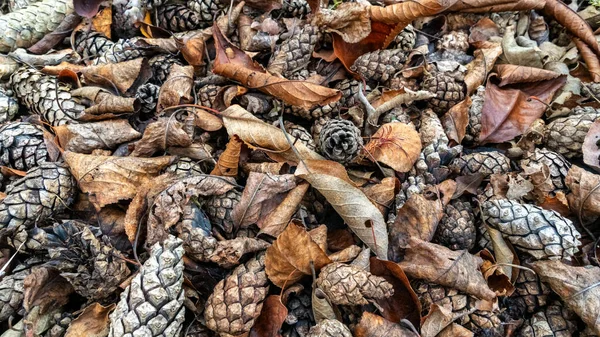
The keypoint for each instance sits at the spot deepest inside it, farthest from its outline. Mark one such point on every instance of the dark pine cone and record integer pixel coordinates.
(448, 90)
(161, 66)
(554, 321)
(207, 95)
(340, 140)
(295, 52)
(558, 165)
(185, 167)
(91, 44)
(406, 39)
(147, 94)
(380, 65)
(22, 146)
(456, 230)
(177, 18)
(60, 322)
(11, 292)
(486, 163)
(295, 8)
(300, 315)
(206, 10)
(9, 107)
(530, 295)
(219, 207)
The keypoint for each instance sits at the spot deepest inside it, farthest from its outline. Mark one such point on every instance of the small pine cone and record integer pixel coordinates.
(147, 94)
(161, 67)
(219, 208)
(195, 231)
(185, 167)
(300, 315)
(544, 234)
(565, 135)
(380, 65)
(152, 305)
(126, 13)
(237, 300)
(340, 140)
(590, 90)
(448, 90)
(399, 82)
(531, 294)
(349, 89)
(22, 146)
(207, 95)
(330, 328)
(349, 285)
(414, 184)
(558, 165)
(93, 268)
(11, 292)
(60, 322)
(206, 10)
(177, 18)
(300, 134)
(454, 41)
(295, 52)
(486, 163)
(406, 39)
(554, 321)
(504, 20)
(8, 106)
(91, 44)
(317, 126)
(46, 96)
(124, 50)
(474, 126)
(45, 190)
(295, 8)
(456, 230)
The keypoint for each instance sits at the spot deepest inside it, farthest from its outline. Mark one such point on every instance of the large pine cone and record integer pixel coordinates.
(11, 292)
(456, 230)
(22, 146)
(543, 234)
(124, 50)
(474, 126)
(558, 165)
(152, 305)
(554, 321)
(530, 294)
(177, 18)
(219, 208)
(295, 52)
(237, 300)
(46, 96)
(340, 140)
(8, 106)
(91, 44)
(330, 328)
(565, 135)
(206, 9)
(486, 163)
(448, 90)
(380, 65)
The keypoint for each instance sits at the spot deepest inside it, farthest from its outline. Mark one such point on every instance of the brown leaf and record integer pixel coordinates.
(177, 88)
(125, 76)
(591, 59)
(494, 274)
(346, 255)
(228, 253)
(87, 8)
(229, 160)
(350, 20)
(270, 168)
(271, 318)
(45, 288)
(455, 269)
(110, 179)
(107, 105)
(482, 31)
(574, 23)
(576, 286)
(480, 67)
(397, 145)
(160, 135)
(468, 183)
(591, 150)
(438, 318)
(371, 325)
(383, 194)
(404, 304)
(197, 151)
(365, 220)
(455, 121)
(93, 322)
(102, 22)
(278, 219)
(321, 306)
(11, 172)
(455, 330)
(87, 137)
(584, 199)
(193, 50)
(558, 203)
(234, 64)
(406, 12)
(319, 236)
(508, 111)
(289, 258)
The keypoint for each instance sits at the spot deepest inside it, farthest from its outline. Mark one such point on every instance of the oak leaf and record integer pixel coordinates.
(92, 322)
(397, 145)
(371, 325)
(87, 137)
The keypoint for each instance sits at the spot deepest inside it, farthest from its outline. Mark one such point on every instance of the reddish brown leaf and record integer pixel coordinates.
(497, 280)
(406, 12)
(455, 330)
(229, 160)
(482, 31)
(277, 220)
(397, 145)
(177, 88)
(160, 135)
(372, 325)
(45, 288)
(455, 121)
(271, 318)
(102, 22)
(591, 150)
(481, 66)
(468, 183)
(574, 23)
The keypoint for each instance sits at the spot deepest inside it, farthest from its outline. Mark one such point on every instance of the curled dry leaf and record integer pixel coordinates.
(406, 12)
(85, 138)
(574, 23)
(277, 220)
(346, 255)
(438, 319)
(591, 150)
(350, 20)
(321, 306)
(455, 269)
(106, 105)
(229, 160)
(494, 274)
(93, 322)
(45, 288)
(455, 330)
(228, 253)
(481, 66)
(177, 88)
(584, 199)
(397, 145)
(233, 63)
(109, 179)
(160, 135)
(289, 258)
(482, 31)
(383, 194)
(455, 121)
(363, 218)
(125, 76)
(591, 59)
(576, 286)
(102, 22)
(371, 325)
(523, 52)
(503, 254)
(271, 318)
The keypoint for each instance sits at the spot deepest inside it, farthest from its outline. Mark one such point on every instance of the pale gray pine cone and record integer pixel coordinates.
(45, 190)
(449, 91)
(455, 41)
(474, 126)
(340, 140)
(553, 321)
(406, 39)
(485, 162)
(456, 229)
(295, 8)
(60, 323)
(414, 184)
(22, 146)
(558, 165)
(543, 234)
(124, 50)
(161, 67)
(46, 96)
(380, 65)
(147, 94)
(300, 134)
(565, 135)
(177, 18)
(484, 241)
(237, 300)
(24, 27)
(295, 52)
(185, 167)
(91, 44)
(330, 328)
(15, 5)
(152, 305)
(11, 292)
(126, 13)
(219, 208)
(206, 9)
(9, 107)
(531, 294)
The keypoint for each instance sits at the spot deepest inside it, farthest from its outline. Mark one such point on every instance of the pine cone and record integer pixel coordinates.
(185, 167)
(91, 44)
(565, 135)
(590, 90)
(349, 89)
(300, 315)
(380, 65)
(22, 146)
(8, 106)
(161, 66)
(295, 52)
(456, 230)
(177, 18)
(316, 128)
(486, 163)
(504, 20)
(46, 96)
(60, 322)
(554, 321)
(406, 39)
(531, 294)
(349, 285)
(558, 165)
(11, 292)
(24, 27)
(448, 89)
(206, 9)
(126, 13)
(454, 41)
(207, 95)
(474, 126)
(399, 114)
(414, 184)
(329, 328)
(237, 300)
(93, 268)
(199, 329)
(340, 140)
(124, 50)
(219, 208)
(295, 8)
(147, 94)
(300, 134)
(44, 191)
(484, 241)
(544, 234)
(152, 305)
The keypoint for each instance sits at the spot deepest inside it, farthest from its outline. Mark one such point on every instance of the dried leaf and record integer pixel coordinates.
(102, 22)
(482, 31)
(160, 135)
(591, 59)
(49, 41)
(455, 121)
(350, 20)
(397, 145)
(107, 105)
(383, 194)
(271, 318)
(85, 138)
(371, 325)
(468, 183)
(87, 8)
(576, 286)
(110, 179)
(193, 50)
(289, 258)
(481, 66)
(228, 253)
(365, 220)
(455, 269)
(346, 255)
(93, 322)
(177, 88)
(270, 168)
(494, 274)
(45, 288)
(521, 51)
(503, 254)
(229, 160)
(584, 199)
(278, 219)
(572, 22)
(455, 330)
(234, 64)
(591, 150)
(125, 76)
(321, 306)
(437, 320)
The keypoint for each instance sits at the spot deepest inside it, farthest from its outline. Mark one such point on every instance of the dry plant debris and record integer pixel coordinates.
(299, 168)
